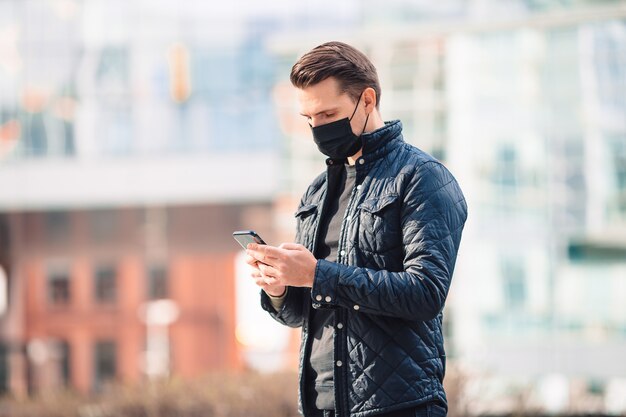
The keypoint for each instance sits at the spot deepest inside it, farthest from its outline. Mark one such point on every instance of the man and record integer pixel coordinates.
(378, 234)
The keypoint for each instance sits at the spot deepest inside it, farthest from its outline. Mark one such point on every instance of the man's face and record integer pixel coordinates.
(323, 103)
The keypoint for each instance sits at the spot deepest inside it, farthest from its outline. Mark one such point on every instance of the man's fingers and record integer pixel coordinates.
(268, 270)
(251, 261)
(264, 253)
(270, 281)
(291, 246)
(264, 280)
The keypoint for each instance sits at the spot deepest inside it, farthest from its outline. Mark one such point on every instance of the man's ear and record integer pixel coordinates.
(370, 99)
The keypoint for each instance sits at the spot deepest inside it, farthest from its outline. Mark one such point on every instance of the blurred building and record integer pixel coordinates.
(89, 288)
(537, 134)
(135, 136)
(134, 139)
(528, 110)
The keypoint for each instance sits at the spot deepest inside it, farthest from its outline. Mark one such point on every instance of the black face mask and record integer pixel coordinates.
(336, 139)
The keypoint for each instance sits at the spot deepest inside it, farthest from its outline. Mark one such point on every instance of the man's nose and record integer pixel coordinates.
(314, 122)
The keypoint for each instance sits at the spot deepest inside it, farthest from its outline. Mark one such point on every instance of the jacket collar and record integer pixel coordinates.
(375, 142)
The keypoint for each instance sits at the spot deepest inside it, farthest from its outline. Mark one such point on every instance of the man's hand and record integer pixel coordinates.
(262, 281)
(289, 264)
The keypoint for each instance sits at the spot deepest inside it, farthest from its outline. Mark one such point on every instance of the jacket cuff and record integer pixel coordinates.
(277, 302)
(267, 305)
(324, 289)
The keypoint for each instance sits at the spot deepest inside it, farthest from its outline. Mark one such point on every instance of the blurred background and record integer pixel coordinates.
(135, 136)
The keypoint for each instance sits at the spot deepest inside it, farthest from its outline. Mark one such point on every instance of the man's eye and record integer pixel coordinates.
(329, 115)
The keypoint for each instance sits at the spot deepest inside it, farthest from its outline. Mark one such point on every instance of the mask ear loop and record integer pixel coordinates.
(366, 118)
(354, 112)
(357, 105)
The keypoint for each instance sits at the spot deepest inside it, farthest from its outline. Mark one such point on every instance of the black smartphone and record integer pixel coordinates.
(244, 237)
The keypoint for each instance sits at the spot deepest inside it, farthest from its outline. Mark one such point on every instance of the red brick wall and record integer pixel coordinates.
(200, 262)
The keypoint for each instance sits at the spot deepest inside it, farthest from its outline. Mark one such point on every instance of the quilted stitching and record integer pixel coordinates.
(394, 347)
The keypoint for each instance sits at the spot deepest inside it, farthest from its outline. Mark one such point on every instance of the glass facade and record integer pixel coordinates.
(537, 129)
(72, 86)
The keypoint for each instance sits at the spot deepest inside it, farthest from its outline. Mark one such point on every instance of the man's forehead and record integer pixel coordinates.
(325, 88)
(326, 93)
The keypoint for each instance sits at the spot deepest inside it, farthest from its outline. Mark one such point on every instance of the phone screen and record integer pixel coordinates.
(244, 237)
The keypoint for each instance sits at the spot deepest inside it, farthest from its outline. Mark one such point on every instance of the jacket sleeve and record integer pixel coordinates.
(293, 309)
(433, 213)
(291, 313)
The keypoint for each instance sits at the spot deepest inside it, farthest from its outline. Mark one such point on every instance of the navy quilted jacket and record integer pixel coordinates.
(397, 249)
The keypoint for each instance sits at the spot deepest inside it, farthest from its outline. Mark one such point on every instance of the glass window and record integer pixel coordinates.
(514, 284)
(618, 154)
(103, 225)
(35, 141)
(59, 286)
(115, 130)
(113, 71)
(105, 284)
(404, 67)
(505, 173)
(57, 226)
(4, 368)
(157, 282)
(609, 58)
(105, 363)
(63, 356)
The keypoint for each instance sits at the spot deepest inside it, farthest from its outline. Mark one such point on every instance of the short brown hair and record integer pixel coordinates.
(349, 66)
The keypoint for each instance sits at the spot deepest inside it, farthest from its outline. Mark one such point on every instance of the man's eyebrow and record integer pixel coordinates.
(320, 112)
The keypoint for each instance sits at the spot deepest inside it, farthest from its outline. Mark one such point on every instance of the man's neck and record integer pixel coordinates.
(374, 123)
(352, 159)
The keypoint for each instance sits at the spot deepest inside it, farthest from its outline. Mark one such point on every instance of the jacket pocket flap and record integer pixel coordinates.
(377, 204)
(305, 210)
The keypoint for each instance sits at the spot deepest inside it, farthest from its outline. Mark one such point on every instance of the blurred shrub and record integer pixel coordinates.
(218, 395)
(454, 384)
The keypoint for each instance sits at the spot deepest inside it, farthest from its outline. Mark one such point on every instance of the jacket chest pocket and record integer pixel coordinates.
(306, 216)
(379, 229)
